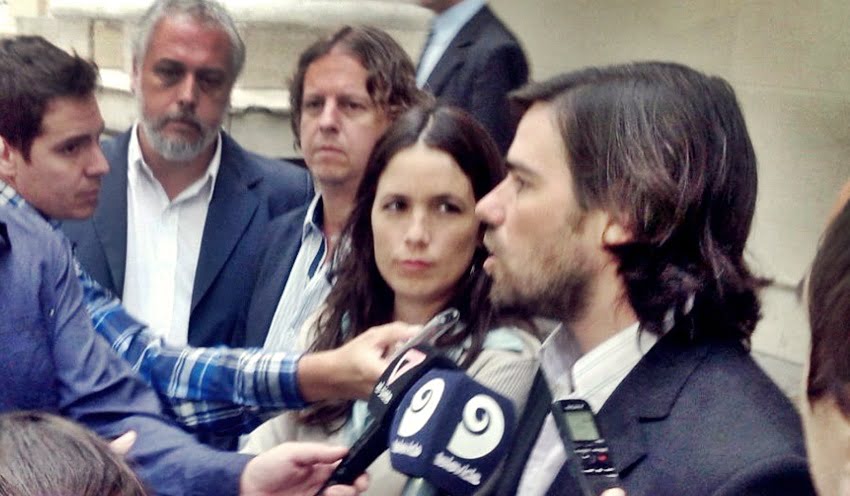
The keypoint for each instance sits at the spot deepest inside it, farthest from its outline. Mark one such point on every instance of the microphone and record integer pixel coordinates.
(401, 374)
(451, 431)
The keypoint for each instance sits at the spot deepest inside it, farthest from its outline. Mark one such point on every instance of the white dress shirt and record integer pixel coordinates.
(444, 28)
(307, 286)
(591, 377)
(163, 244)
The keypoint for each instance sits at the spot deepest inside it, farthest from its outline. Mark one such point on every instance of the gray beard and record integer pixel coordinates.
(177, 150)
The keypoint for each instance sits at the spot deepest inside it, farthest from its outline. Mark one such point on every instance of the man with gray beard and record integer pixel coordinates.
(184, 207)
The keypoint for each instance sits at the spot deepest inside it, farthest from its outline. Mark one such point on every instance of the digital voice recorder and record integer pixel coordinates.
(588, 457)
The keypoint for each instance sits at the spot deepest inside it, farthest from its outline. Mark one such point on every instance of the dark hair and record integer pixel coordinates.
(34, 73)
(41, 454)
(665, 150)
(208, 12)
(829, 316)
(360, 298)
(391, 80)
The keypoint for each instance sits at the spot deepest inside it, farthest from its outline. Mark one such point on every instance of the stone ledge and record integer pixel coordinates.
(390, 13)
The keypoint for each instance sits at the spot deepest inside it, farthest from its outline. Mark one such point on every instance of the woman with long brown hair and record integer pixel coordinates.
(412, 248)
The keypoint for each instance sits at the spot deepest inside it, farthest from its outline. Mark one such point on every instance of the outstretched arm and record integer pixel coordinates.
(230, 389)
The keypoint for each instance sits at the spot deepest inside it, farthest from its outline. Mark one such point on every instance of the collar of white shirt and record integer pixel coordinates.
(591, 377)
(594, 375)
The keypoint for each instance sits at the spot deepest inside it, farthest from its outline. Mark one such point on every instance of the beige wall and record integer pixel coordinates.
(790, 64)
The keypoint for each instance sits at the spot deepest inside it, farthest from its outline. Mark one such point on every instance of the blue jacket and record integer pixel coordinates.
(250, 191)
(53, 361)
(280, 248)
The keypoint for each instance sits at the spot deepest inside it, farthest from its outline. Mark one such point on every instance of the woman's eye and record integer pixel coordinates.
(394, 206)
(449, 208)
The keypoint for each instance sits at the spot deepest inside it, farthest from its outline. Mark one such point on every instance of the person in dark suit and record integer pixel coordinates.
(183, 210)
(647, 178)
(472, 61)
(347, 88)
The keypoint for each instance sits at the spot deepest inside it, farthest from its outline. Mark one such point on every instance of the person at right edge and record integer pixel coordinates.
(625, 213)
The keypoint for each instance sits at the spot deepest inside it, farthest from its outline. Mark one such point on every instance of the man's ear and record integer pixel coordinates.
(616, 233)
(8, 160)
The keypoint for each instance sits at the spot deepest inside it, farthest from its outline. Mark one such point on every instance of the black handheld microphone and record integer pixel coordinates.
(451, 431)
(389, 392)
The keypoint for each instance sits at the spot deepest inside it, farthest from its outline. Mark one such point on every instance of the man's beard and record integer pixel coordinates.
(177, 149)
(557, 292)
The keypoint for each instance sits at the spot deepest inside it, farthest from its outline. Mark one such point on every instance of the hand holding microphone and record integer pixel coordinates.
(388, 393)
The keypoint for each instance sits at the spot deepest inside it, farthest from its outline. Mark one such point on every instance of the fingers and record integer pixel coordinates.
(392, 334)
(614, 492)
(122, 444)
(360, 485)
(314, 453)
(340, 491)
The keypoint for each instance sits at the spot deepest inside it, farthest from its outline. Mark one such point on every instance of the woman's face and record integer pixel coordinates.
(424, 226)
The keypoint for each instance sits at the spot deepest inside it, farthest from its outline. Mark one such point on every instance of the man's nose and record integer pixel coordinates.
(98, 165)
(188, 91)
(490, 209)
(329, 118)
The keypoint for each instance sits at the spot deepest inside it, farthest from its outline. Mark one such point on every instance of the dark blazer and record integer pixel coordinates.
(280, 247)
(480, 66)
(696, 419)
(250, 191)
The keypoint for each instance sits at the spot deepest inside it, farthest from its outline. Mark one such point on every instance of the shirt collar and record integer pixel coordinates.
(447, 24)
(592, 376)
(8, 196)
(137, 165)
(313, 221)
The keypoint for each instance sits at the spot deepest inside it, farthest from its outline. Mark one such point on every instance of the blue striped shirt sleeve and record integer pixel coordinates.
(215, 389)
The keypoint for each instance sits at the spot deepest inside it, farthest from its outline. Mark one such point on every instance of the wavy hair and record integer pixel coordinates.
(665, 149)
(391, 75)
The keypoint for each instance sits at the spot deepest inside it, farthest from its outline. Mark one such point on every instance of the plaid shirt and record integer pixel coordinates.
(213, 389)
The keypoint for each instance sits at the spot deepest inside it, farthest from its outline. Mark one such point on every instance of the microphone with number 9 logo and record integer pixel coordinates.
(451, 431)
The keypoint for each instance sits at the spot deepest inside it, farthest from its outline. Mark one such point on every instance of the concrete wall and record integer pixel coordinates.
(790, 64)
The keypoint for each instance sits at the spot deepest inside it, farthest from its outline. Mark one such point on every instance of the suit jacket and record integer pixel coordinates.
(695, 419)
(250, 191)
(480, 66)
(280, 248)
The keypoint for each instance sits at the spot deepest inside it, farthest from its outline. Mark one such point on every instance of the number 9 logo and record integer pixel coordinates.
(422, 407)
(480, 430)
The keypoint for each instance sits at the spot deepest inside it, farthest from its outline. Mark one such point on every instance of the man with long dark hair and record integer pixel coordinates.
(625, 214)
